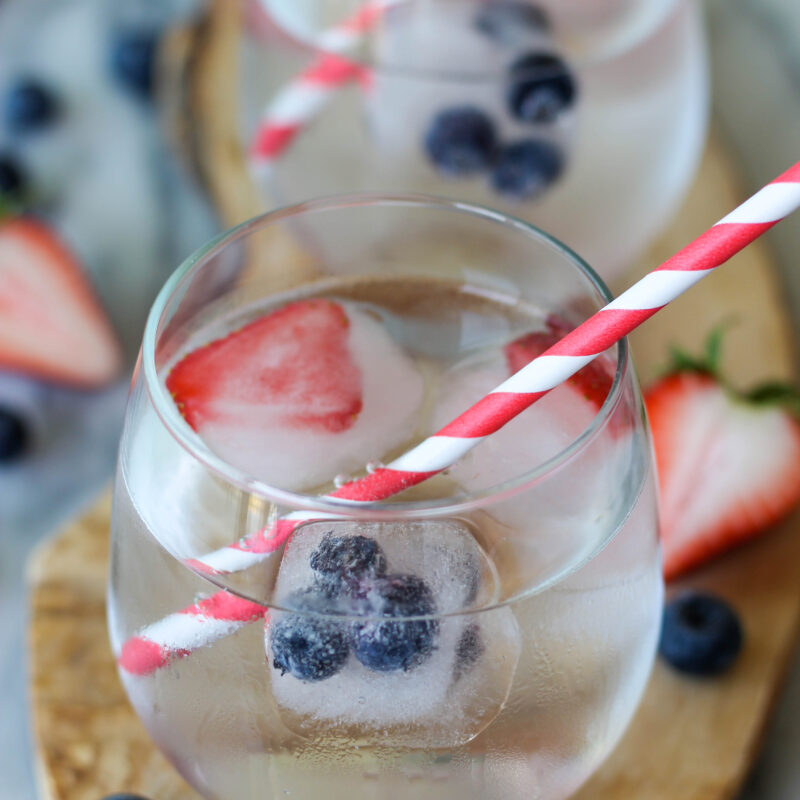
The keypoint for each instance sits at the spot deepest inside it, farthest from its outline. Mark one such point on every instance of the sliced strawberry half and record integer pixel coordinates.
(51, 324)
(728, 465)
(593, 381)
(291, 368)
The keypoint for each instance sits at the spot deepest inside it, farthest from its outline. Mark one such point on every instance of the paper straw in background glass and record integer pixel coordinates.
(304, 97)
(221, 614)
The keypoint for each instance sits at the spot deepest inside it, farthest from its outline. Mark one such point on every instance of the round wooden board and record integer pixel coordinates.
(690, 740)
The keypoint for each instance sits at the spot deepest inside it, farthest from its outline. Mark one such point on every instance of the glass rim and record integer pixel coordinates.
(454, 505)
(593, 58)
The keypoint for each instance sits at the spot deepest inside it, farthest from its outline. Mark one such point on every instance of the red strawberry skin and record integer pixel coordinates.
(51, 324)
(727, 469)
(593, 381)
(294, 361)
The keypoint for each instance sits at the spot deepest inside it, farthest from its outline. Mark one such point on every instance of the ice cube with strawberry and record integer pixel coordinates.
(541, 431)
(303, 393)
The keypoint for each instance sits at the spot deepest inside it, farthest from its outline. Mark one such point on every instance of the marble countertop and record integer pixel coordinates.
(755, 51)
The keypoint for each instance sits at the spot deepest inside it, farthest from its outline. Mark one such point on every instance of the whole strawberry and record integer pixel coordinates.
(728, 462)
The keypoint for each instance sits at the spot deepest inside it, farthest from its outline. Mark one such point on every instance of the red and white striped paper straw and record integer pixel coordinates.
(304, 97)
(221, 614)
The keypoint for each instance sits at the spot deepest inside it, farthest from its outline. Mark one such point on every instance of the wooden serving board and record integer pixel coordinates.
(690, 740)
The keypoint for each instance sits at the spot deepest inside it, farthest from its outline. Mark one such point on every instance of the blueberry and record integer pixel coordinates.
(700, 634)
(524, 169)
(309, 647)
(469, 649)
(506, 21)
(542, 86)
(394, 645)
(124, 796)
(14, 435)
(12, 181)
(461, 141)
(341, 562)
(133, 58)
(30, 106)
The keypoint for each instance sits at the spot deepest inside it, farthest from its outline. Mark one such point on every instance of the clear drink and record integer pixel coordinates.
(515, 654)
(619, 133)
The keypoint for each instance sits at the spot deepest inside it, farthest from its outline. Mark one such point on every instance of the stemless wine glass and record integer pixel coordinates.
(487, 634)
(580, 116)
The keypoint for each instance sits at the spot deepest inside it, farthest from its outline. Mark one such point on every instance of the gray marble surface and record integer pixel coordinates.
(756, 71)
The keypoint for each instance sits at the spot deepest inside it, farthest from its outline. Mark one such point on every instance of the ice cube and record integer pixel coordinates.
(441, 39)
(536, 435)
(302, 458)
(555, 522)
(447, 695)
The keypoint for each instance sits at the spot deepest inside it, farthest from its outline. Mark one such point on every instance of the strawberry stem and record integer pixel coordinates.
(707, 363)
(776, 393)
(9, 208)
(771, 393)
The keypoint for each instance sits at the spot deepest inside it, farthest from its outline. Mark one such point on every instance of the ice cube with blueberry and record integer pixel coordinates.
(367, 640)
(488, 98)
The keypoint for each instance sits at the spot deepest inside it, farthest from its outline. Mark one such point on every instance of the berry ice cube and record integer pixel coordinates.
(301, 394)
(418, 672)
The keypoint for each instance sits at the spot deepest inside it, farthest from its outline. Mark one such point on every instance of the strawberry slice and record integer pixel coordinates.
(728, 464)
(51, 324)
(593, 381)
(292, 365)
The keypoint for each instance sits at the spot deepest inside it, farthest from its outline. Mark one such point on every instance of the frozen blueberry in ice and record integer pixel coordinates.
(469, 649)
(472, 579)
(133, 57)
(12, 181)
(395, 644)
(525, 168)
(542, 87)
(341, 562)
(700, 634)
(506, 21)
(30, 106)
(461, 141)
(309, 647)
(14, 435)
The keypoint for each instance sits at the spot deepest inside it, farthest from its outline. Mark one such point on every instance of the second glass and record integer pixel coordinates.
(585, 118)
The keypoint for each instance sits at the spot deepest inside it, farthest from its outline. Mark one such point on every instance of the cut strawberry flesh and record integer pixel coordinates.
(727, 470)
(294, 362)
(51, 324)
